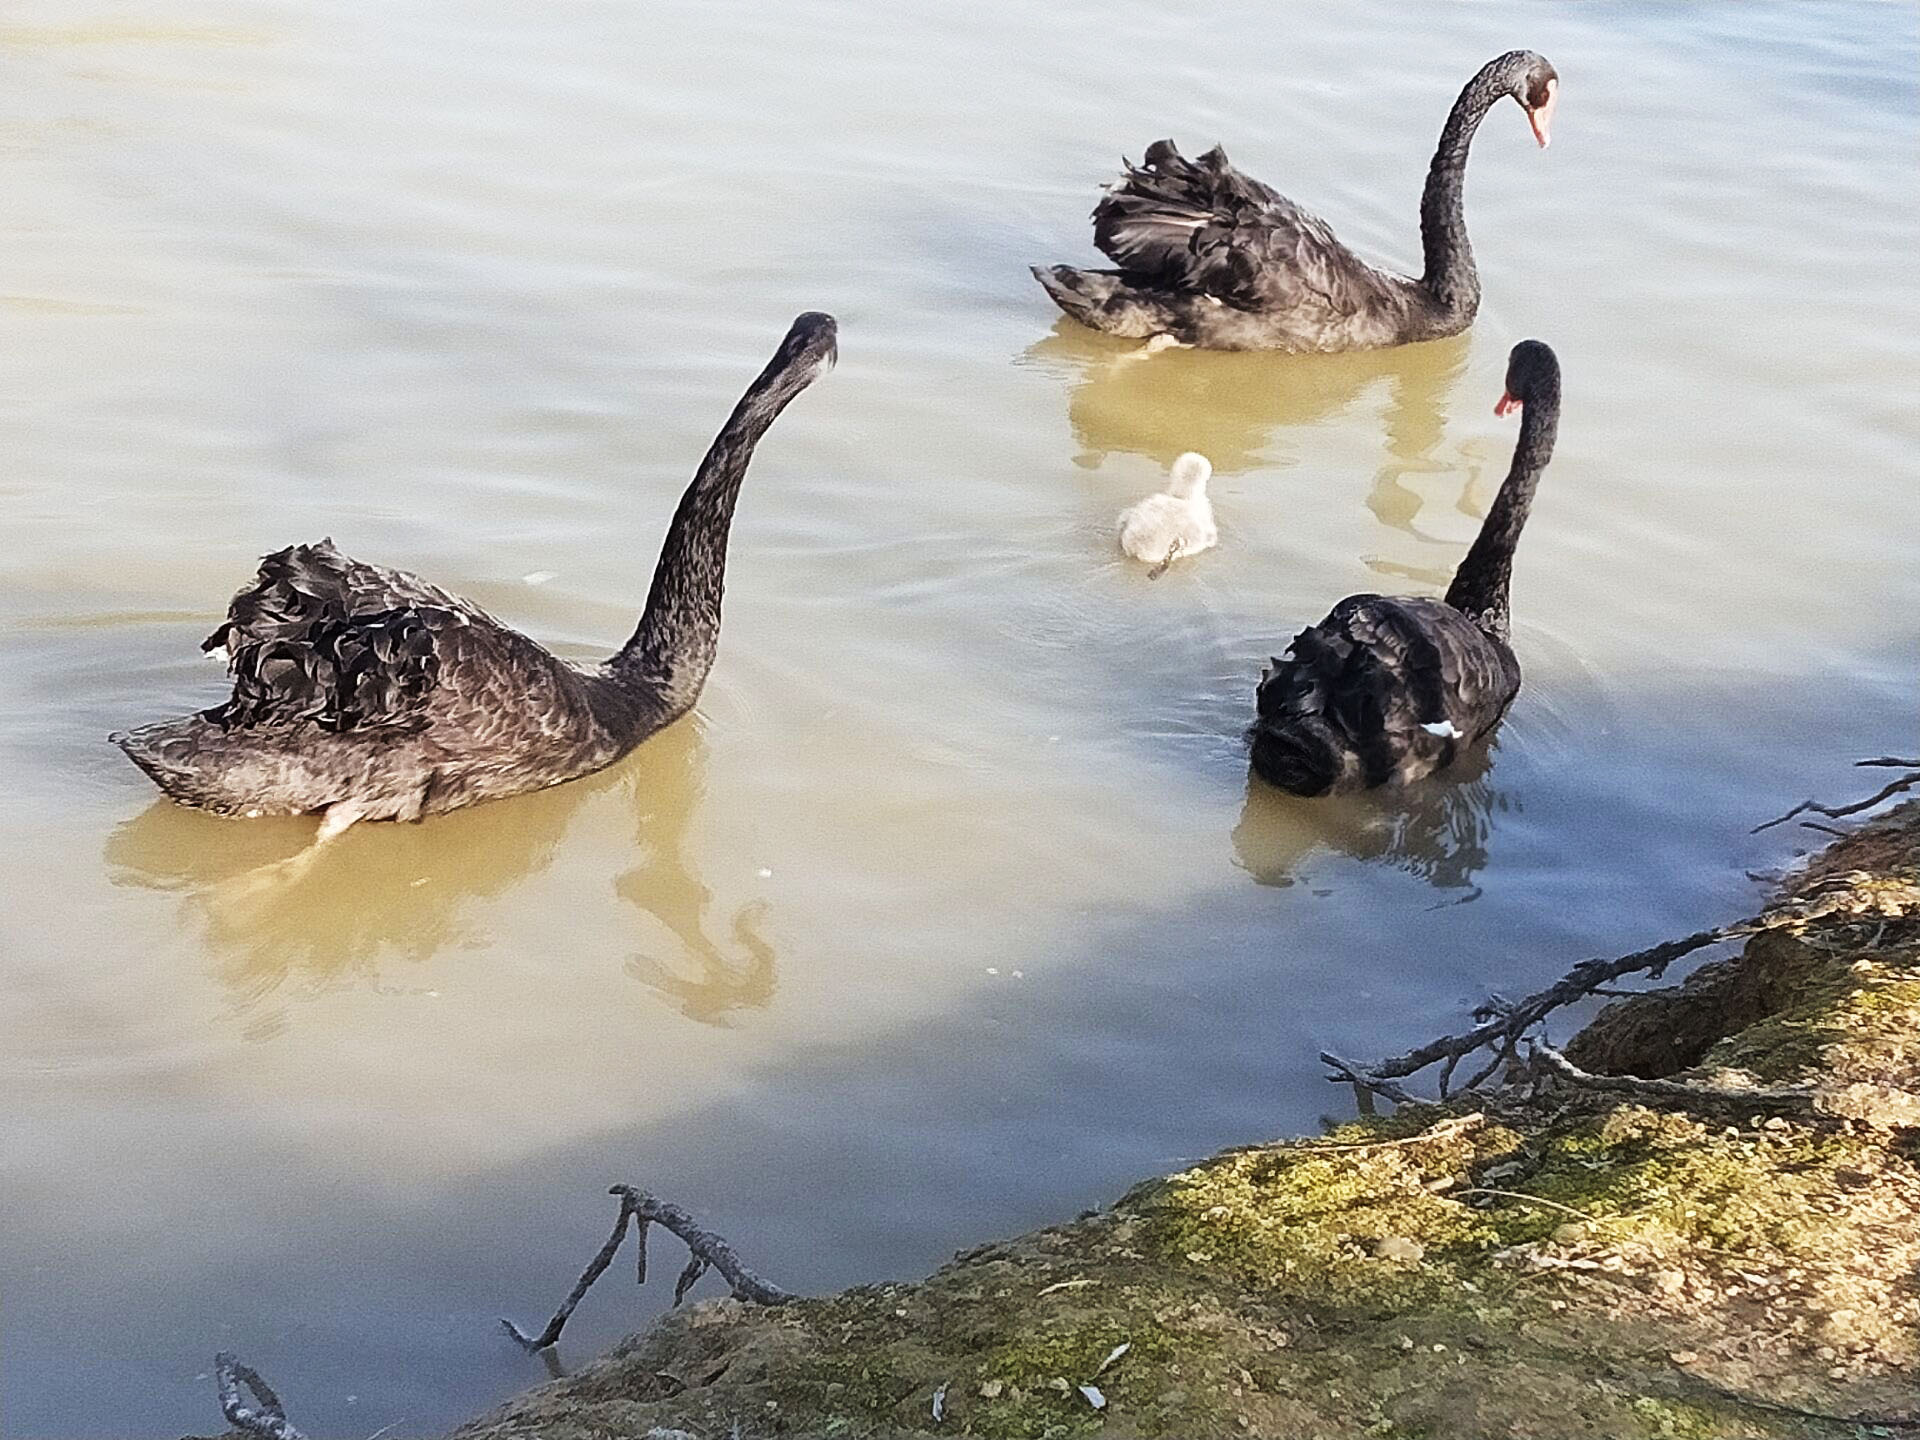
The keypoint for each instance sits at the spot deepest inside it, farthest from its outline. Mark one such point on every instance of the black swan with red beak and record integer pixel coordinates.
(363, 693)
(1387, 690)
(1208, 256)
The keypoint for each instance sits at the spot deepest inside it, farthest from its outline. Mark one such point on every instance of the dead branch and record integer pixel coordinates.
(265, 1416)
(1347, 1070)
(1858, 1423)
(1793, 1099)
(1835, 812)
(1446, 1129)
(1507, 1021)
(1526, 1199)
(706, 1251)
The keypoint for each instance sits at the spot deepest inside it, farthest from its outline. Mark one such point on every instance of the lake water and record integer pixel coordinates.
(951, 911)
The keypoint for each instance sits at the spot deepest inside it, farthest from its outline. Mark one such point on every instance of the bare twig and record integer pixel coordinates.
(1755, 1402)
(265, 1416)
(1530, 1200)
(1444, 1130)
(708, 1251)
(1507, 1021)
(1349, 1071)
(1794, 1099)
(596, 1267)
(1835, 812)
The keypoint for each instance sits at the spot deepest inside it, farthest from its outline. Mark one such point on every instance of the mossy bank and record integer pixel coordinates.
(1554, 1265)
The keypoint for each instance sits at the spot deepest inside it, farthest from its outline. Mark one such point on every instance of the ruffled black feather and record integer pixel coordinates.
(298, 653)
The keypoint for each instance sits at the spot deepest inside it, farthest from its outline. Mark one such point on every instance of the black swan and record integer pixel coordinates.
(1387, 690)
(363, 693)
(1211, 257)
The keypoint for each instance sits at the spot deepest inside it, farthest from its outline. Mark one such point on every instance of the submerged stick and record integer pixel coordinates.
(596, 1267)
(1791, 1098)
(1836, 812)
(265, 1416)
(1509, 1022)
(707, 1251)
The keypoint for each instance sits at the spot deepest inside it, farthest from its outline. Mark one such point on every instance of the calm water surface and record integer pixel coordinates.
(950, 911)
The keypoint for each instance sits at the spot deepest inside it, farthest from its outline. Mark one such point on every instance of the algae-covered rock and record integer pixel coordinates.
(1562, 1266)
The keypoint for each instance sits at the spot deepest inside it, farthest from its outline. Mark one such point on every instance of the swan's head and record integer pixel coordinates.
(811, 347)
(1536, 85)
(1532, 368)
(1189, 475)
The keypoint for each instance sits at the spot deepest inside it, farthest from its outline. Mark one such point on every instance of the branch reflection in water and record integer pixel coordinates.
(395, 892)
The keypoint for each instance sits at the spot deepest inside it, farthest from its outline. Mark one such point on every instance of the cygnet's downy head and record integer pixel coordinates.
(1188, 478)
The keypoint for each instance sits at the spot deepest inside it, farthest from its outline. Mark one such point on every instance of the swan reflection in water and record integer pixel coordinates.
(1437, 829)
(408, 892)
(1233, 407)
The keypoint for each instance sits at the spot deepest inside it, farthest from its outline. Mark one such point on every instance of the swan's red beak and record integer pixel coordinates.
(1541, 116)
(1506, 404)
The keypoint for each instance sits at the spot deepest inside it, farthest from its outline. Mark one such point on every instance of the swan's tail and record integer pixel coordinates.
(1101, 300)
(172, 755)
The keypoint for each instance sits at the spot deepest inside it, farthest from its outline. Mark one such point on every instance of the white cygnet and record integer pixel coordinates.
(1178, 522)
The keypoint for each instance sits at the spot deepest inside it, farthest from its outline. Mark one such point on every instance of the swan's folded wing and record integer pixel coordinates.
(302, 585)
(324, 639)
(1203, 226)
(340, 672)
(418, 668)
(1414, 664)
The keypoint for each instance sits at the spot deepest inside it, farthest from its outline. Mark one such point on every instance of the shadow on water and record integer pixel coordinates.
(1142, 1038)
(383, 893)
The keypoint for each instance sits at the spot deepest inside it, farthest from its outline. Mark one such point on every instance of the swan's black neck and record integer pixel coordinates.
(1480, 585)
(672, 650)
(1449, 276)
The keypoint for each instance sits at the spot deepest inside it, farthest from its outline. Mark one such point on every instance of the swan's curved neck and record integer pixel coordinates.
(672, 649)
(1480, 585)
(1449, 275)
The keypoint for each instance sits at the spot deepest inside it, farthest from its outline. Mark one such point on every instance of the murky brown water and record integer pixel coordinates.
(951, 911)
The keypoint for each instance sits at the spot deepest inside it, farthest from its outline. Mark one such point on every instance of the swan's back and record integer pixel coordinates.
(1383, 691)
(356, 681)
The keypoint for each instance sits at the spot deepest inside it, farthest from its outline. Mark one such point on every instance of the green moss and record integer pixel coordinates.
(1307, 1220)
(1683, 1421)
